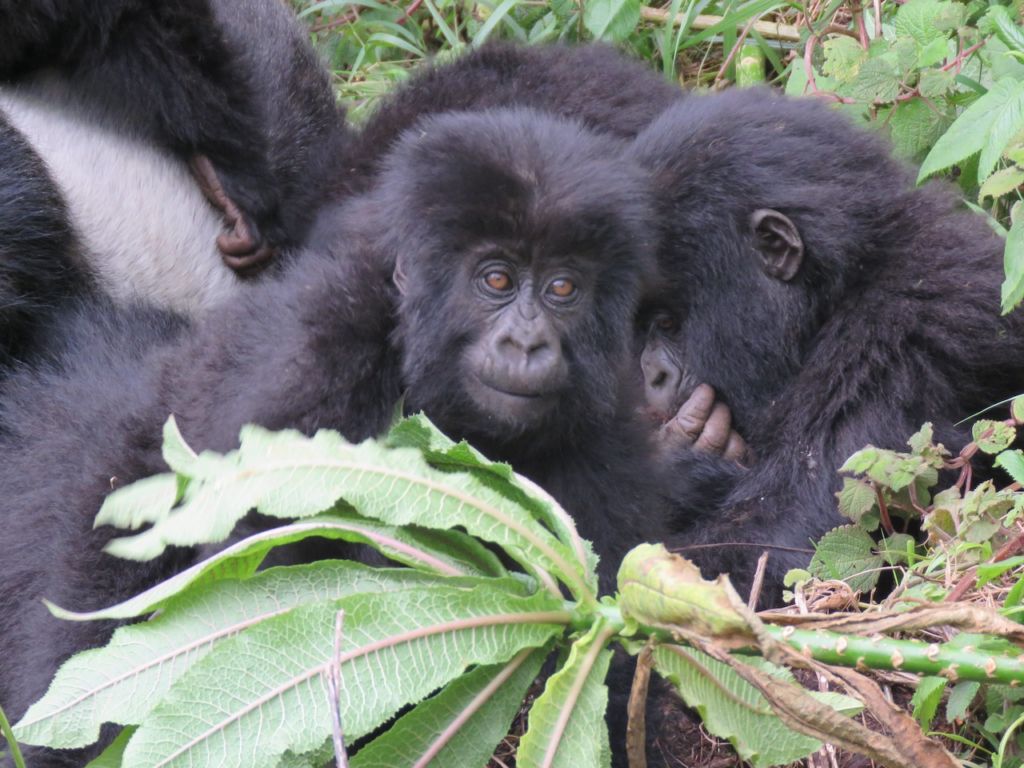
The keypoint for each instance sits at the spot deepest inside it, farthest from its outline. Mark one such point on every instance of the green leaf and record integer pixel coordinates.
(1006, 124)
(933, 53)
(124, 680)
(566, 725)
(731, 708)
(960, 698)
(1012, 462)
(894, 548)
(914, 127)
(441, 451)
(969, 132)
(843, 57)
(877, 81)
(1001, 182)
(611, 20)
(990, 571)
(920, 20)
(993, 436)
(271, 692)
(999, 19)
(449, 553)
(935, 83)
(286, 474)
(1013, 264)
(145, 501)
(926, 699)
(1017, 408)
(112, 756)
(856, 498)
(462, 724)
(847, 553)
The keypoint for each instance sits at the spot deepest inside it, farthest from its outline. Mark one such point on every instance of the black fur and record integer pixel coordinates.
(596, 84)
(892, 320)
(197, 77)
(323, 347)
(35, 241)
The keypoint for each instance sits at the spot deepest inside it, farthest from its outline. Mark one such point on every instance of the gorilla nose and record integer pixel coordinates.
(662, 382)
(532, 363)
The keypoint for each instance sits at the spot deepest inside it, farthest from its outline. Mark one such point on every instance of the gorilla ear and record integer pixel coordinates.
(778, 244)
(398, 276)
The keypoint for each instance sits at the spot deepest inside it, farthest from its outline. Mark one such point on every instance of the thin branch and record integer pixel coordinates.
(768, 29)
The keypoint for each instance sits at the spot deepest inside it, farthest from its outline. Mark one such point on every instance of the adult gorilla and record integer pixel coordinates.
(829, 302)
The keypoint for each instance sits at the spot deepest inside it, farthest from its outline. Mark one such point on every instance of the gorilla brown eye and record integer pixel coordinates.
(498, 281)
(666, 323)
(562, 288)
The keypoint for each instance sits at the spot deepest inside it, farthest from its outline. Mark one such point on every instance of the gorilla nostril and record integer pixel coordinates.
(659, 380)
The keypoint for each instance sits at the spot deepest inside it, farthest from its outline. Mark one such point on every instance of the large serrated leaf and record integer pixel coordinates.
(286, 474)
(462, 724)
(272, 695)
(969, 132)
(731, 708)
(123, 681)
(567, 727)
(441, 451)
(449, 553)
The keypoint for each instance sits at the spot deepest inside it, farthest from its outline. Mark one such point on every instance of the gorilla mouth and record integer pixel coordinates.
(511, 393)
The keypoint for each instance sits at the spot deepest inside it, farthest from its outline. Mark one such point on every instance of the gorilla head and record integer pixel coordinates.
(520, 242)
(768, 227)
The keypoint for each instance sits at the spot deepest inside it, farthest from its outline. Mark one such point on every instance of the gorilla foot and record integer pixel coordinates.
(241, 248)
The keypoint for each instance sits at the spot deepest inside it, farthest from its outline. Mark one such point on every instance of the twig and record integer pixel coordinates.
(755, 588)
(636, 725)
(334, 690)
(967, 582)
(768, 29)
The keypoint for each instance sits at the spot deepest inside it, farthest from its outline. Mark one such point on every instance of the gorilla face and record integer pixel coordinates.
(520, 248)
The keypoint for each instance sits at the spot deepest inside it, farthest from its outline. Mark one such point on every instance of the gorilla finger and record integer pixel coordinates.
(694, 413)
(736, 449)
(715, 435)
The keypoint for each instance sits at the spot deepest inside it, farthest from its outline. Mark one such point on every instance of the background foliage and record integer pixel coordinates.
(944, 79)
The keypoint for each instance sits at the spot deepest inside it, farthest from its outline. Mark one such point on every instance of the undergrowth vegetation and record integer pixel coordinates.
(944, 79)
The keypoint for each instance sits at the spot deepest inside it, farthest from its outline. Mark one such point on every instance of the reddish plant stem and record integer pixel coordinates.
(967, 581)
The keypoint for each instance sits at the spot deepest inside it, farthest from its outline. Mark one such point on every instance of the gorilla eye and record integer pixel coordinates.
(666, 323)
(498, 280)
(562, 288)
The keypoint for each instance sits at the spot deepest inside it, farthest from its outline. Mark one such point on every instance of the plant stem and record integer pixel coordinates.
(904, 655)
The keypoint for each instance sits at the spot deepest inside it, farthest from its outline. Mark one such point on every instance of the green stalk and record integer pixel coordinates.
(904, 655)
(12, 745)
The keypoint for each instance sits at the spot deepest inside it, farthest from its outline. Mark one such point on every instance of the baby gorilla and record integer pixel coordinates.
(499, 299)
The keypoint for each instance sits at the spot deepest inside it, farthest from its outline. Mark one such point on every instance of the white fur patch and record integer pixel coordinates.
(146, 229)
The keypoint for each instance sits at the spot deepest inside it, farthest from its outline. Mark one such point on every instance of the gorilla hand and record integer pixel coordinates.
(704, 425)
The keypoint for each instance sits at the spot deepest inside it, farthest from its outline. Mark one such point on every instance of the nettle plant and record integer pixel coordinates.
(230, 665)
(969, 545)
